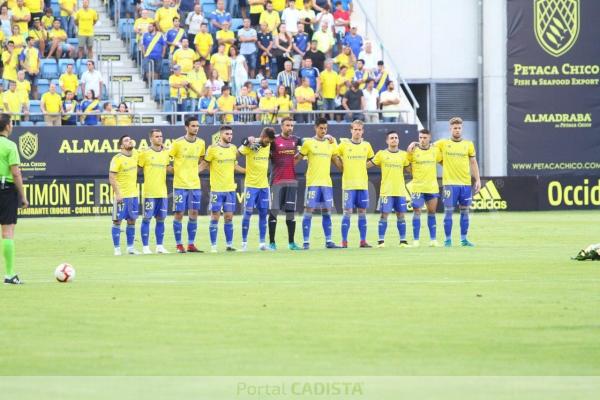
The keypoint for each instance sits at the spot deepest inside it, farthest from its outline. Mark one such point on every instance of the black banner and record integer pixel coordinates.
(87, 151)
(553, 91)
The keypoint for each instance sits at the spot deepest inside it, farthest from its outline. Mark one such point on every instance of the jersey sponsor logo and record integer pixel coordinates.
(556, 25)
(28, 145)
(489, 198)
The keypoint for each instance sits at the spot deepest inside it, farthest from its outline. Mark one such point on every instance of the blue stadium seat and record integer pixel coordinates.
(169, 106)
(73, 42)
(160, 89)
(43, 85)
(34, 107)
(104, 92)
(165, 69)
(26, 123)
(208, 8)
(48, 69)
(125, 27)
(81, 66)
(133, 49)
(62, 65)
(236, 23)
(272, 85)
(40, 123)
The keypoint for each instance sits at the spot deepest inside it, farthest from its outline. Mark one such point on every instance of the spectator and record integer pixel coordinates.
(284, 103)
(270, 17)
(247, 37)
(91, 80)
(282, 50)
(164, 16)
(123, 116)
(23, 86)
(153, 48)
(178, 88)
(58, 42)
(346, 59)
(291, 17)
(10, 60)
(69, 109)
(320, 5)
(343, 83)
(381, 77)
(221, 63)
(390, 104)
(354, 102)
(316, 56)
(36, 9)
(264, 86)
(207, 106)
(341, 19)
(14, 102)
(243, 10)
(360, 74)
(68, 8)
(5, 20)
(203, 42)
(371, 96)
(250, 87)
(85, 19)
(193, 21)
(265, 45)
(17, 39)
(30, 62)
(311, 73)
(369, 57)
(197, 79)
(175, 35)
(305, 99)
(287, 78)
(354, 40)
(268, 108)
(329, 85)
(226, 105)
(184, 57)
(215, 83)
(325, 40)
(307, 17)
(325, 16)
(245, 104)
(218, 16)
(140, 26)
(151, 6)
(68, 81)
(300, 46)
(348, 5)
(279, 5)
(108, 117)
(48, 19)
(20, 16)
(89, 108)
(256, 9)
(226, 36)
(239, 70)
(39, 35)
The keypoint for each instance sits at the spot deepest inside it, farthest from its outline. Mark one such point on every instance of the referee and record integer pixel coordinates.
(11, 189)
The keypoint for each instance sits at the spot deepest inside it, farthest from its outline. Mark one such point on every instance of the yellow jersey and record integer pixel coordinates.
(279, 5)
(186, 157)
(32, 60)
(285, 104)
(392, 172)
(197, 80)
(47, 22)
(126, 169)
(87, 19)
(19, 42)
(14, 101)
(10, 67)
(180, 92)
(58, 34)
(222, 64)
(257, 166)
(354, 158)
(257, 9)
(329, 82)
(124, 120)
(203, 43)
(34, 6)
(424, 169)
(226, 103)
(21, 13)
(456, 157)
(319, 154)
(68, 5)
(224, 35)
(222, 167)
(24, 88)
(142, 25)
(164, 17)
(267, 103)
(68, 82)
(108, 120)
(304, 92)
(184, 58)
(154, 164)
(52, 102)
(271, 19)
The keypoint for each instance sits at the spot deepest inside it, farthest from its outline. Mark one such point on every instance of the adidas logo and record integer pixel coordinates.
(488, 198)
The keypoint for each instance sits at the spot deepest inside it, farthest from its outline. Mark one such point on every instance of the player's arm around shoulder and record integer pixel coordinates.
(303, 151)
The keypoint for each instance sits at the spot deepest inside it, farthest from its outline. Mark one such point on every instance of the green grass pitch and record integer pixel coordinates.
(513, 305)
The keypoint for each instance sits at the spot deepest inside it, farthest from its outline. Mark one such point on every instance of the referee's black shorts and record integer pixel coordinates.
(284, 196)
(9, 204)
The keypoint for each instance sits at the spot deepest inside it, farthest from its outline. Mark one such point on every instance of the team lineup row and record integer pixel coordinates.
(270, 184)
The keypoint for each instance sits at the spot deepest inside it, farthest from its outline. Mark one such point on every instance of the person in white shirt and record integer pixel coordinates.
(390, 103)
(291, 16)
(325, 16)
(371, 96)
(193, 21)
(91, 80)
(369, 57)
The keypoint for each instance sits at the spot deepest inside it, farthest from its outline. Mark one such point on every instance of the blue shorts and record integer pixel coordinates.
(356, 199)
(156, 207)
(186, 199)
(129, 208)
(457, 194)
(318, 197)
(389, 204)
(418, 200)
(222, 201)
(257, 198)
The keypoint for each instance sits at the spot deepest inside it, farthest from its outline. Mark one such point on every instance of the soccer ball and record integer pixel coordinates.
(64, 273)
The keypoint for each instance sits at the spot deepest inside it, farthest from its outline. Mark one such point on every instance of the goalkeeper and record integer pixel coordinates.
(592, 252)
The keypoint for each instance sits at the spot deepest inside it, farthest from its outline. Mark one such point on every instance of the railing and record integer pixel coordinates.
(386, 56)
